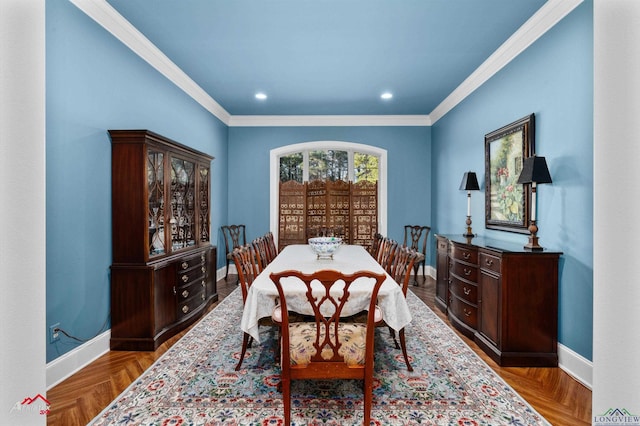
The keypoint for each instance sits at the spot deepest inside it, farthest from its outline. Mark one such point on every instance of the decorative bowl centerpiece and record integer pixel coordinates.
(324, 247)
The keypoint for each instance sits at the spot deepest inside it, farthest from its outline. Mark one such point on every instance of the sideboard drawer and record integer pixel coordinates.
(465, 291)
(463, 270)
(459, 252)
(463, 311)
(490, 262)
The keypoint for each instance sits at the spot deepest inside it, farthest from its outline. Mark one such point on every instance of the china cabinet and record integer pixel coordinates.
(164, 265)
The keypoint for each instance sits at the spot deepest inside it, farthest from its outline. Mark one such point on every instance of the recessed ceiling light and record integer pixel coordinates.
(261, 96)
(386, 95)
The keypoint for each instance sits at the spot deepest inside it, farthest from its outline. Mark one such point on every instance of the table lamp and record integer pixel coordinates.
(534, 171)
(469, 183)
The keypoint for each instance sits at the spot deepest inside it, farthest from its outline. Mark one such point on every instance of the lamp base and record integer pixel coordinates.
(533, 239)
(469, 233)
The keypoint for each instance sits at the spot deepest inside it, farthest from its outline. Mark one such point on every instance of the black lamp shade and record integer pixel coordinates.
(535, 170)
(469, 182)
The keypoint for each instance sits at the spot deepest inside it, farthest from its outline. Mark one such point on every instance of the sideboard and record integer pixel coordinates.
(502, 296)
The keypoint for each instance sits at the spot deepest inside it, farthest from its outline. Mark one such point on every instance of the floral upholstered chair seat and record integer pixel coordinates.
(352, 338)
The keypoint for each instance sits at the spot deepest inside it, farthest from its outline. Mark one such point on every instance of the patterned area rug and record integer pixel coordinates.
(195, 383)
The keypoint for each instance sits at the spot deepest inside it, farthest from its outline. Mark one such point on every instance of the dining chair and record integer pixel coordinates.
(326, 347)
(234, 237)
(262, 252)
(246, 262)
(388, 250)
(272, 248)
(375, 245)
(415, 237)
(400, 271)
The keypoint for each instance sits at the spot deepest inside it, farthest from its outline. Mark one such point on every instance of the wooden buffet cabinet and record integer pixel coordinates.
(502, 296)
(163, 275)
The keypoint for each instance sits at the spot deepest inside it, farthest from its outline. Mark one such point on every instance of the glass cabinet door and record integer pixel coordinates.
(155, 189)
(183, 188)
(204, 204)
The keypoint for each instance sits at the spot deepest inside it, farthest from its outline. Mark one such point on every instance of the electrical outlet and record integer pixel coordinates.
(54, 333)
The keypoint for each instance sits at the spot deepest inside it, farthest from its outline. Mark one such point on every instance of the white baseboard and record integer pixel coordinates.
(575, 365)
(66, 365)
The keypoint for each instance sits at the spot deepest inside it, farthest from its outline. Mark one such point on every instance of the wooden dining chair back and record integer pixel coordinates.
(387, 252)
(262, 252)
(326, 348)
(272, 248)
(400, 270)
(415, 237)
(234, 237)
(246, 261)
(375, 245)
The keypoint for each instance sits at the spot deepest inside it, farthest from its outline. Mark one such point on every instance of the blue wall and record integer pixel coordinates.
(408, 162)
(553, 78)
(95, 83)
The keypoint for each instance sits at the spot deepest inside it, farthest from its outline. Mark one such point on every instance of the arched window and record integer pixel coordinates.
(328, 160)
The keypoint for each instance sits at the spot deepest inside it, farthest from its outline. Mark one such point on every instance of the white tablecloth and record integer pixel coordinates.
(261, 299)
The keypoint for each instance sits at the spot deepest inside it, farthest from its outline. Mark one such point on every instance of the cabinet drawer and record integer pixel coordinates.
(465, 254)
(465, 271)
(465, 312)
(463, 290)
(189, 290)
(490, 263)
(187, 306)
(186, 277)
(191, 262)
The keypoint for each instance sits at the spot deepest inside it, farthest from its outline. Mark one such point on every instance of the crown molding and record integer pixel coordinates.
(328, 120)
(105, 15)
(543, 20)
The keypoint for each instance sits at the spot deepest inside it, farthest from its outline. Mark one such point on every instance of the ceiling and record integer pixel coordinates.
(327, 57)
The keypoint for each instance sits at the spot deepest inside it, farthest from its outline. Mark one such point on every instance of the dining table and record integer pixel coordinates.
(262, 296)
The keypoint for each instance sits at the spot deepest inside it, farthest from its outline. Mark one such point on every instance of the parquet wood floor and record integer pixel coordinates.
(552, 392)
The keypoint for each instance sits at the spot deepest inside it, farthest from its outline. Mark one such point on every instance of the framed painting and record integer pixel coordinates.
(507, 205)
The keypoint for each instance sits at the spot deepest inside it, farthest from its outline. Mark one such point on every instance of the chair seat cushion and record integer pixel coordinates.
(352, 338)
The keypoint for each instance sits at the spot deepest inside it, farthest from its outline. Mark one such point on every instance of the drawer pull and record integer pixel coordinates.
(185, 278)
(202, 257)
(185, 309)
(489, 262)
(202, 296)
(185, 265)
(467, 312)
(466, 291)
(203, 283)
(185, 294)
(466, 255)
(174, 290)
(467, 272)
(203, 269)
(450, 281)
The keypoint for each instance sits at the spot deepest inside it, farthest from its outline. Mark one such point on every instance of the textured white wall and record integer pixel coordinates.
(616, 340)
(22, 209)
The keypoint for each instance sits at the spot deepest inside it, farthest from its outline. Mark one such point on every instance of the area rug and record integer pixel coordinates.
(194, 383)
